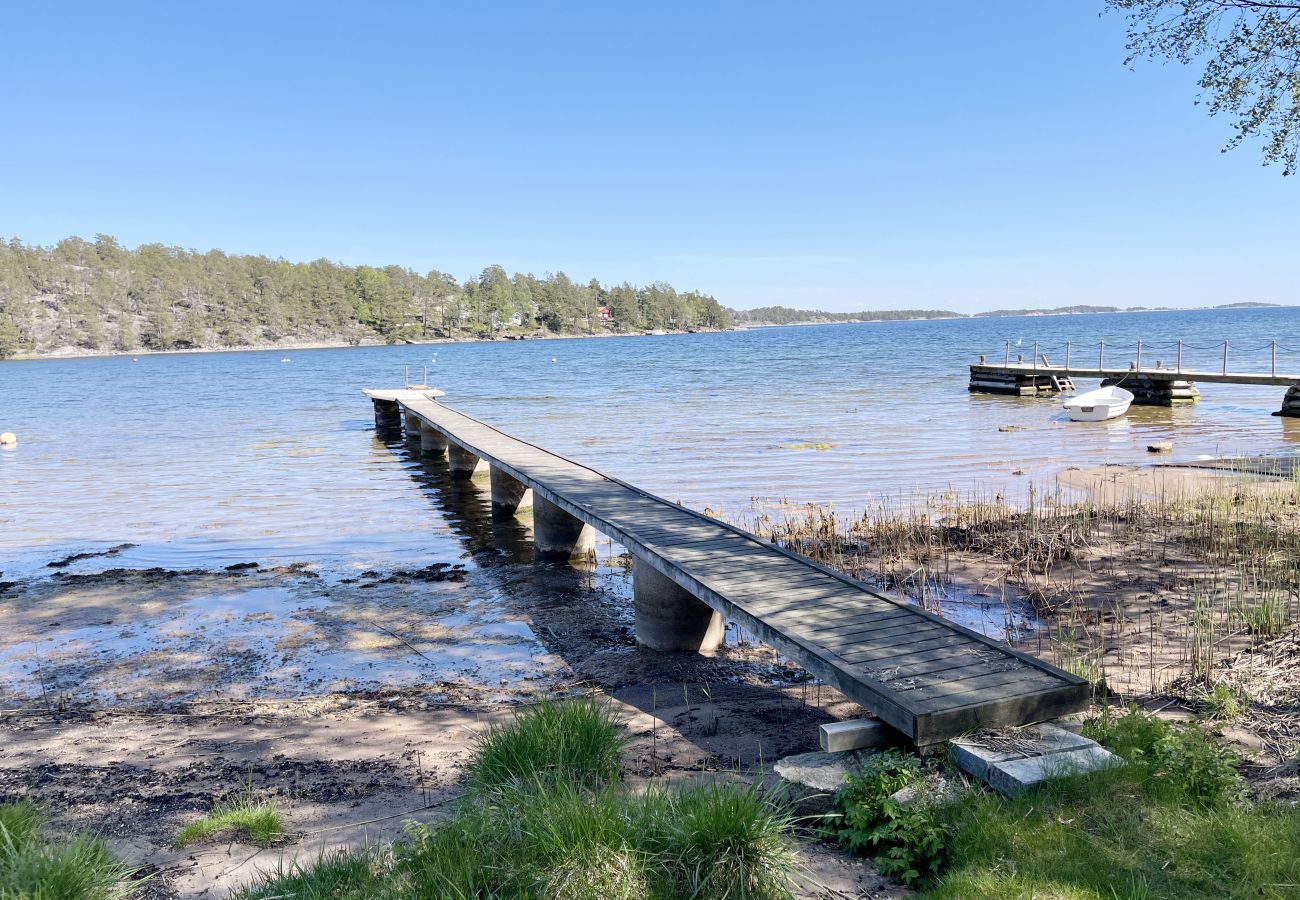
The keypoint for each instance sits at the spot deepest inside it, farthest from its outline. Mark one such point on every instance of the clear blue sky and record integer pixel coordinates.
(835, 155)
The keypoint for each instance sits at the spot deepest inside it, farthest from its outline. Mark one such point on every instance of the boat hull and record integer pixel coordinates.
(1099, 405)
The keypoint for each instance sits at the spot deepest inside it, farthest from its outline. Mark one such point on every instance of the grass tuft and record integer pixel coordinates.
(727, 841)
(578, 741)
(1181, 765)
(334, 876)
(34, 867)
(20, 826)
(606, 874)
(256, 821)
(1223, 702)
(546, 818)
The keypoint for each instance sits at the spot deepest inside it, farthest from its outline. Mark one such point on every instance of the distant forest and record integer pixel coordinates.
(99, 296)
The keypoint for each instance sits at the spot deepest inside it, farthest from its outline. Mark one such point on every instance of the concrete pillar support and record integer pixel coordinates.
(387, 414)
(464, 464)
(412, 425)
(556, 533)
(509, 495)
(432, 441)
(670, 618)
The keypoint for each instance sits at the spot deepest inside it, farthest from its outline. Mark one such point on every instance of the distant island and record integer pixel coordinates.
(88, 297)
(1077, 310)
(784, 315)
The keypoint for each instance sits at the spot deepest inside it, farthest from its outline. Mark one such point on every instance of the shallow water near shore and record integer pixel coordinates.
(203, 461)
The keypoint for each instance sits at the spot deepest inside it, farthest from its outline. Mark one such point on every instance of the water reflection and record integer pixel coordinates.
(464, 505)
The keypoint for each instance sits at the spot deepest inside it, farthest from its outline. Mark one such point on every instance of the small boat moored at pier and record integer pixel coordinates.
(1099, 405)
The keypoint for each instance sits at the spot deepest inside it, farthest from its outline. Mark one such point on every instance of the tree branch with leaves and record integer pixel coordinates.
(1251, 53)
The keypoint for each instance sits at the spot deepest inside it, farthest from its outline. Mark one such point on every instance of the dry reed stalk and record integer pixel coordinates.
(1225, 562)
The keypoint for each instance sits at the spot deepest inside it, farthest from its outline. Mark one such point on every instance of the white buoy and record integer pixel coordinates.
(8, 440)
(552, 359)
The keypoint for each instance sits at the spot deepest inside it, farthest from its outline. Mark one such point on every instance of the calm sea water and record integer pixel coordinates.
(211, 459)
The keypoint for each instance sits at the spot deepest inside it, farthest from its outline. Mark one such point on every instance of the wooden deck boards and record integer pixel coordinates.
(929, 678)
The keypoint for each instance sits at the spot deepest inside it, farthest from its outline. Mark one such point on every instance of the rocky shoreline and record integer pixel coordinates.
(80, 353)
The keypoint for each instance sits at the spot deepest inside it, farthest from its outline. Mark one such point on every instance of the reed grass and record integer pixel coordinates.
(1224, 559)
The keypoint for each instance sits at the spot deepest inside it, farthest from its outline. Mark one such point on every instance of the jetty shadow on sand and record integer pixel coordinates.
(741, 706)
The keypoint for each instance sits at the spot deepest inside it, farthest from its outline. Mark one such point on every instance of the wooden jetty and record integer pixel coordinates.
(927, 677)
(1160, 384)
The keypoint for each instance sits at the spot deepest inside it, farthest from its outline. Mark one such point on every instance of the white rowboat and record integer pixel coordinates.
(1099, 405)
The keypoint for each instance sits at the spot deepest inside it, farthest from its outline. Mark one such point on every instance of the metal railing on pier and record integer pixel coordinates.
(1182, 356)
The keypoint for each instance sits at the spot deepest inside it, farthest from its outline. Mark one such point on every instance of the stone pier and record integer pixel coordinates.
(1148, 391)
(1290, 403)
(509, 495)
(1014, 384)
(670, 618)
(432, 441)
(464, 464)
(387, 414)
(558, 534)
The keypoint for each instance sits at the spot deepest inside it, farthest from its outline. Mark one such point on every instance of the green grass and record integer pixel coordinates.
(1110, 836)
(20, 826)
(546, 817)
(724, 840)
(540, 839)
(1223, 702)
(339, 875)
(1169, 824)
(34, 866)
(254, 821)
(553, 840)
(577, 741)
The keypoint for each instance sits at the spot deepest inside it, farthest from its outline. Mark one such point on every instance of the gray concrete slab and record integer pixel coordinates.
(1013, 760)
(1015, 776)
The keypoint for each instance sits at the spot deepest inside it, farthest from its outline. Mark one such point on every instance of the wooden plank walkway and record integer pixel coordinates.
(927, 677)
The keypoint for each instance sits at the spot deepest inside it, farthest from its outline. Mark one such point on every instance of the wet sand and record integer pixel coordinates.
(1122, 483)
